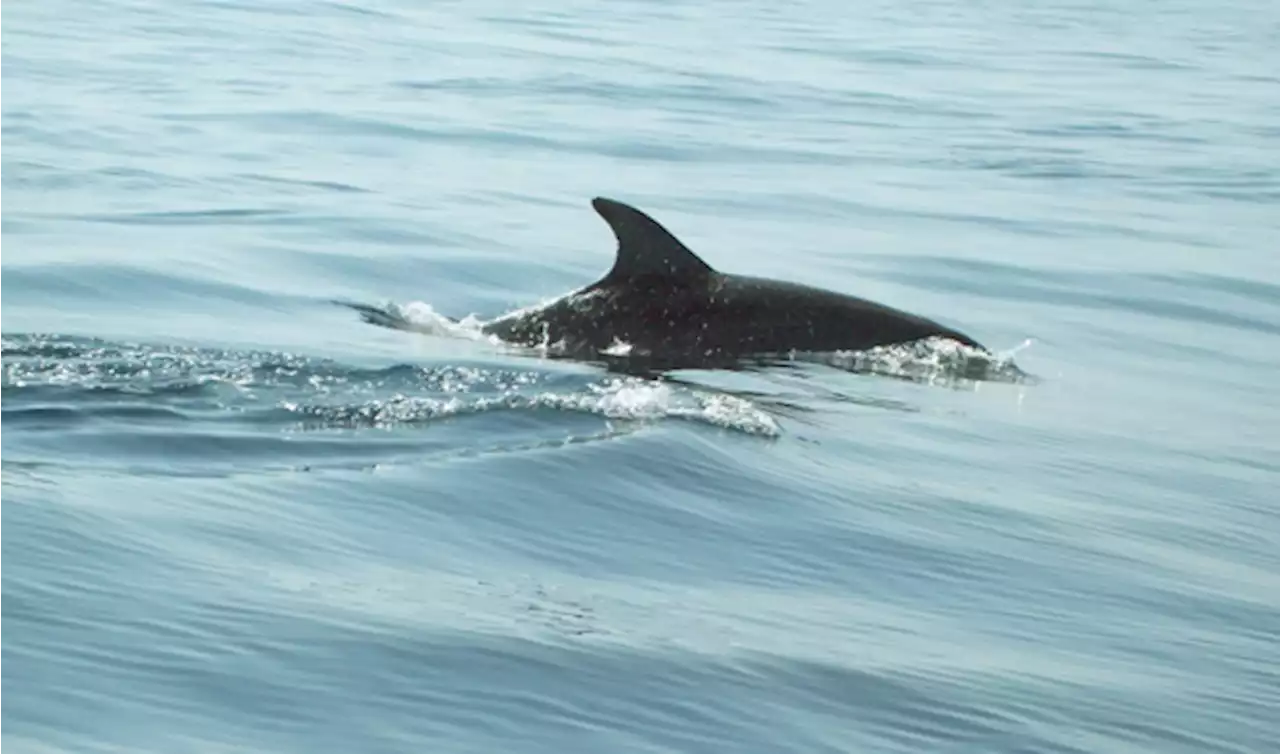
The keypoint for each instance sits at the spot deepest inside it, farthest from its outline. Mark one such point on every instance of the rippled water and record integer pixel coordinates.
(240, 517)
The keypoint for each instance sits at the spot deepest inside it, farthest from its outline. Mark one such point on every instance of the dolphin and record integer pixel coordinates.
(662, 307)
(660, 301)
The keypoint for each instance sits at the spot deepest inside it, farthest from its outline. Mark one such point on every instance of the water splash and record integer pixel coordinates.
(420, 317)
(936, 361)
(300, 392)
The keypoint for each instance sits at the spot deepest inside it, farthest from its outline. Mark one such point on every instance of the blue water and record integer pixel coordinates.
(238, 518)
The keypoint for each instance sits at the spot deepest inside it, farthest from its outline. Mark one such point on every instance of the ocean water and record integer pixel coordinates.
(239, 518)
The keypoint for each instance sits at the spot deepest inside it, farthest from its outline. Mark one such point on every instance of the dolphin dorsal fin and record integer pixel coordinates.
(645, 248)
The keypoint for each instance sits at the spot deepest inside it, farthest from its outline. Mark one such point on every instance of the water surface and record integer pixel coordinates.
(240, 518)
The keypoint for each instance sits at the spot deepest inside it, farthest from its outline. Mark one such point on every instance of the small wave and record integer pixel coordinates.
(626, 400)
(58, 417)
(66, 380)
(225, 215)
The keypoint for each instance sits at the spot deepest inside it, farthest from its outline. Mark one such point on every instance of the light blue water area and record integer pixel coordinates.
(239, 518)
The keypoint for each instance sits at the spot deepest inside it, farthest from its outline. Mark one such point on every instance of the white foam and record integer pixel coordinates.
(618, 399)
(423, 318)
(929, 360)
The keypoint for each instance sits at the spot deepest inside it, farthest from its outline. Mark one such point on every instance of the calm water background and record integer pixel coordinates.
(236, 518)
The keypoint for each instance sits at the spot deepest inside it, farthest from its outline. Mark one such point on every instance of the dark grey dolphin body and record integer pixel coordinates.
(661, 302)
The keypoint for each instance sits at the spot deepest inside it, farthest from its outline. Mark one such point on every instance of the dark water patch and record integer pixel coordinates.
(131, 446)
(704, 93)
(305, 185)
(1256, 291)
(662, 150)
(61, 417)
(329, 123)
(1040, 164)
(1250, 185)
(1130, 60)
(360, 10)
(224, 216)
(913, 709)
